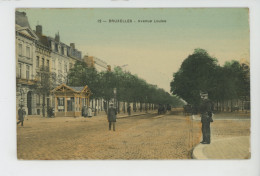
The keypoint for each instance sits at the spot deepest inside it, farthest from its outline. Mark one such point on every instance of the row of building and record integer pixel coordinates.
(38, 55)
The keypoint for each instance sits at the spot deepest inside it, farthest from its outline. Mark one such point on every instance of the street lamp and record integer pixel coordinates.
(22, 99)
(115, 97)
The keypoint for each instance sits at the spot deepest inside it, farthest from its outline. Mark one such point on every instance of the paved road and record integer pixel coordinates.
(170, 136)
(141, 137)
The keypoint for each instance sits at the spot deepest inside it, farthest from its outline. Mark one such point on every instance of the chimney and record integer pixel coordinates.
(39, 29)
(57, 37)
(72, 45)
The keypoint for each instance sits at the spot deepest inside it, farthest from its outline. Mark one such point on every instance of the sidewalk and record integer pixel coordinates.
(225, 148)
(100, 114)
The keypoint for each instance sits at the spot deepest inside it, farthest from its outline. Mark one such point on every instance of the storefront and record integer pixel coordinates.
(69, 101)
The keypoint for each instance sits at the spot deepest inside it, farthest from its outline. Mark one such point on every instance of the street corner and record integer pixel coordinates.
(225, 148)
(198, 153)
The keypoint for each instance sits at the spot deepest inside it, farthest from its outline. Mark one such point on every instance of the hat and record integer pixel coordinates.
(203, 93)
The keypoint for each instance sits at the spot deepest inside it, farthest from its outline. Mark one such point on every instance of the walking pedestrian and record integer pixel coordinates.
(95, 111)
(206, 117)
(21, 114)
(129, 110)
(89, 112)
(85, 111)
(111, 117)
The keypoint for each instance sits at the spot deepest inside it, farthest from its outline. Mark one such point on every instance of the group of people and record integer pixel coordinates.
(86, 111)
(205, 111)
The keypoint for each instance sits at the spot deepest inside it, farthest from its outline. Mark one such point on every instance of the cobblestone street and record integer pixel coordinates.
(141, 137)
(148, 136)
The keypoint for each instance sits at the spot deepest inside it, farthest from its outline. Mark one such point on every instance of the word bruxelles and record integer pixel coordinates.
(133, 21)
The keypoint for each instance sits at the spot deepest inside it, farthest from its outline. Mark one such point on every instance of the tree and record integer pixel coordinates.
(130, 88)
(44, 84)
(197, 73)
(81, 75)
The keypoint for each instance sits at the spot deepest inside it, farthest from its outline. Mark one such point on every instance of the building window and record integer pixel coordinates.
(38, 111)
(56, 47)
(20, 49)
(53, 64)
(62, 50)
(20, 71)
(60, 104)
(37, 62)
(27, 71)
(27, 52)
(42, 62)
(65, 68)
(38, 76)
(38, 99)
(48, 64)
(60, 67)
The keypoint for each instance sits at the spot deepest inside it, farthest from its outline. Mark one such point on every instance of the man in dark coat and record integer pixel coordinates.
(85, 111)
(111, 117)
(129, 110)
(206, 117)
(21, 114)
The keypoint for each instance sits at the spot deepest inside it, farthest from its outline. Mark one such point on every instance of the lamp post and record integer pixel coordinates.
(115, 98)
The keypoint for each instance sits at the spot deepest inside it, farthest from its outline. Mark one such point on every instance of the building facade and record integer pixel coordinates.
(42, 63)
(25, 74)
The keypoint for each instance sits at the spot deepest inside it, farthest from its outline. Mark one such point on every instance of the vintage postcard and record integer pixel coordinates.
(132, 83)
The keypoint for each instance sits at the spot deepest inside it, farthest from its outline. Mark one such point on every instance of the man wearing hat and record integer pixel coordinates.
(21, 114)
(111, 117)
(206, 116)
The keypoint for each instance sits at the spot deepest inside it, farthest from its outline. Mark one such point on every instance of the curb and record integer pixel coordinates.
(234, 144)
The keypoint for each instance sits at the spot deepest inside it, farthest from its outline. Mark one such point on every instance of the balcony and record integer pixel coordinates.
(25, 59)
(25, 81)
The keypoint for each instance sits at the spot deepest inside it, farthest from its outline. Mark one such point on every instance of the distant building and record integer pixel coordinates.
(99, 64)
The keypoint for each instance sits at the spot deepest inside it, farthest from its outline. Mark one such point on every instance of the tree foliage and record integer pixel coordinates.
(201, 72)
(129, 87)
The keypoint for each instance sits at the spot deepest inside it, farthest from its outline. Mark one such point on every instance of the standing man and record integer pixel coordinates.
(111, 117)
(206, 116)
(89, 112)
(85, 111)
(129, 110)
(21, 114)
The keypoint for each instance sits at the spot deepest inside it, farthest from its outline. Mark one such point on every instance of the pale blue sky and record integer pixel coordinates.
(154, 51)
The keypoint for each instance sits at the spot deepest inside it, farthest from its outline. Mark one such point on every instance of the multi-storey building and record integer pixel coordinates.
(37, 57)
(99, 64)
(25, 73)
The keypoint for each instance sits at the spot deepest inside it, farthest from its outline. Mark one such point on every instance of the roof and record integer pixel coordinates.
(79, 89)
(26, 31)
(21, 19)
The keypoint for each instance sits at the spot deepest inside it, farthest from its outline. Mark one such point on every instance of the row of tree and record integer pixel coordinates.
(201, 72)
(129, 87)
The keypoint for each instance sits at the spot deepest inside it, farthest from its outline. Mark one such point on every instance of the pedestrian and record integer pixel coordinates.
(21, 114)
(111, 117)
(89, 112)
(129, 110)
(206, 117)
(95, 111)
(146, 108)
(85, 111)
